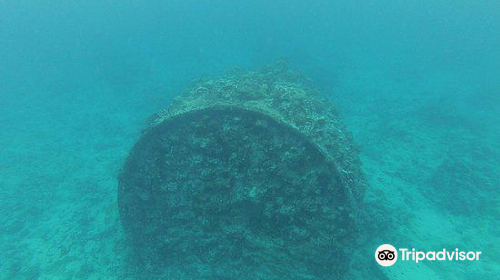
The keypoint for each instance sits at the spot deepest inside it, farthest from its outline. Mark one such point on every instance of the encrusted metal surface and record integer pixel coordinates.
(250, 176)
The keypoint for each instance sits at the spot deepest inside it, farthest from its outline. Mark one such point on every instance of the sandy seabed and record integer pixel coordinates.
(433, 175)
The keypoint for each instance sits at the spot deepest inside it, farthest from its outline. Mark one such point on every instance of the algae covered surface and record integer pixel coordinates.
(247, 176)
(411, 137)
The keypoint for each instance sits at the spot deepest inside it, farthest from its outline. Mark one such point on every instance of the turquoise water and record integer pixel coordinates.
(416, 82)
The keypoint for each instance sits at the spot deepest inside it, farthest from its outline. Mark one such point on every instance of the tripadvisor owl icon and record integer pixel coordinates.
(386, 255)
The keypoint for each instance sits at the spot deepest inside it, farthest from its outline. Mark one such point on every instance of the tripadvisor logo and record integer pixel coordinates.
(387, 255)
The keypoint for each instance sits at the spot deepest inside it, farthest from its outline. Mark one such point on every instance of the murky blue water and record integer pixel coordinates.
(416, 82)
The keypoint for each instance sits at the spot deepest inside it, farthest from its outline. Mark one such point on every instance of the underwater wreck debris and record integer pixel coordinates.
(249, 176)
